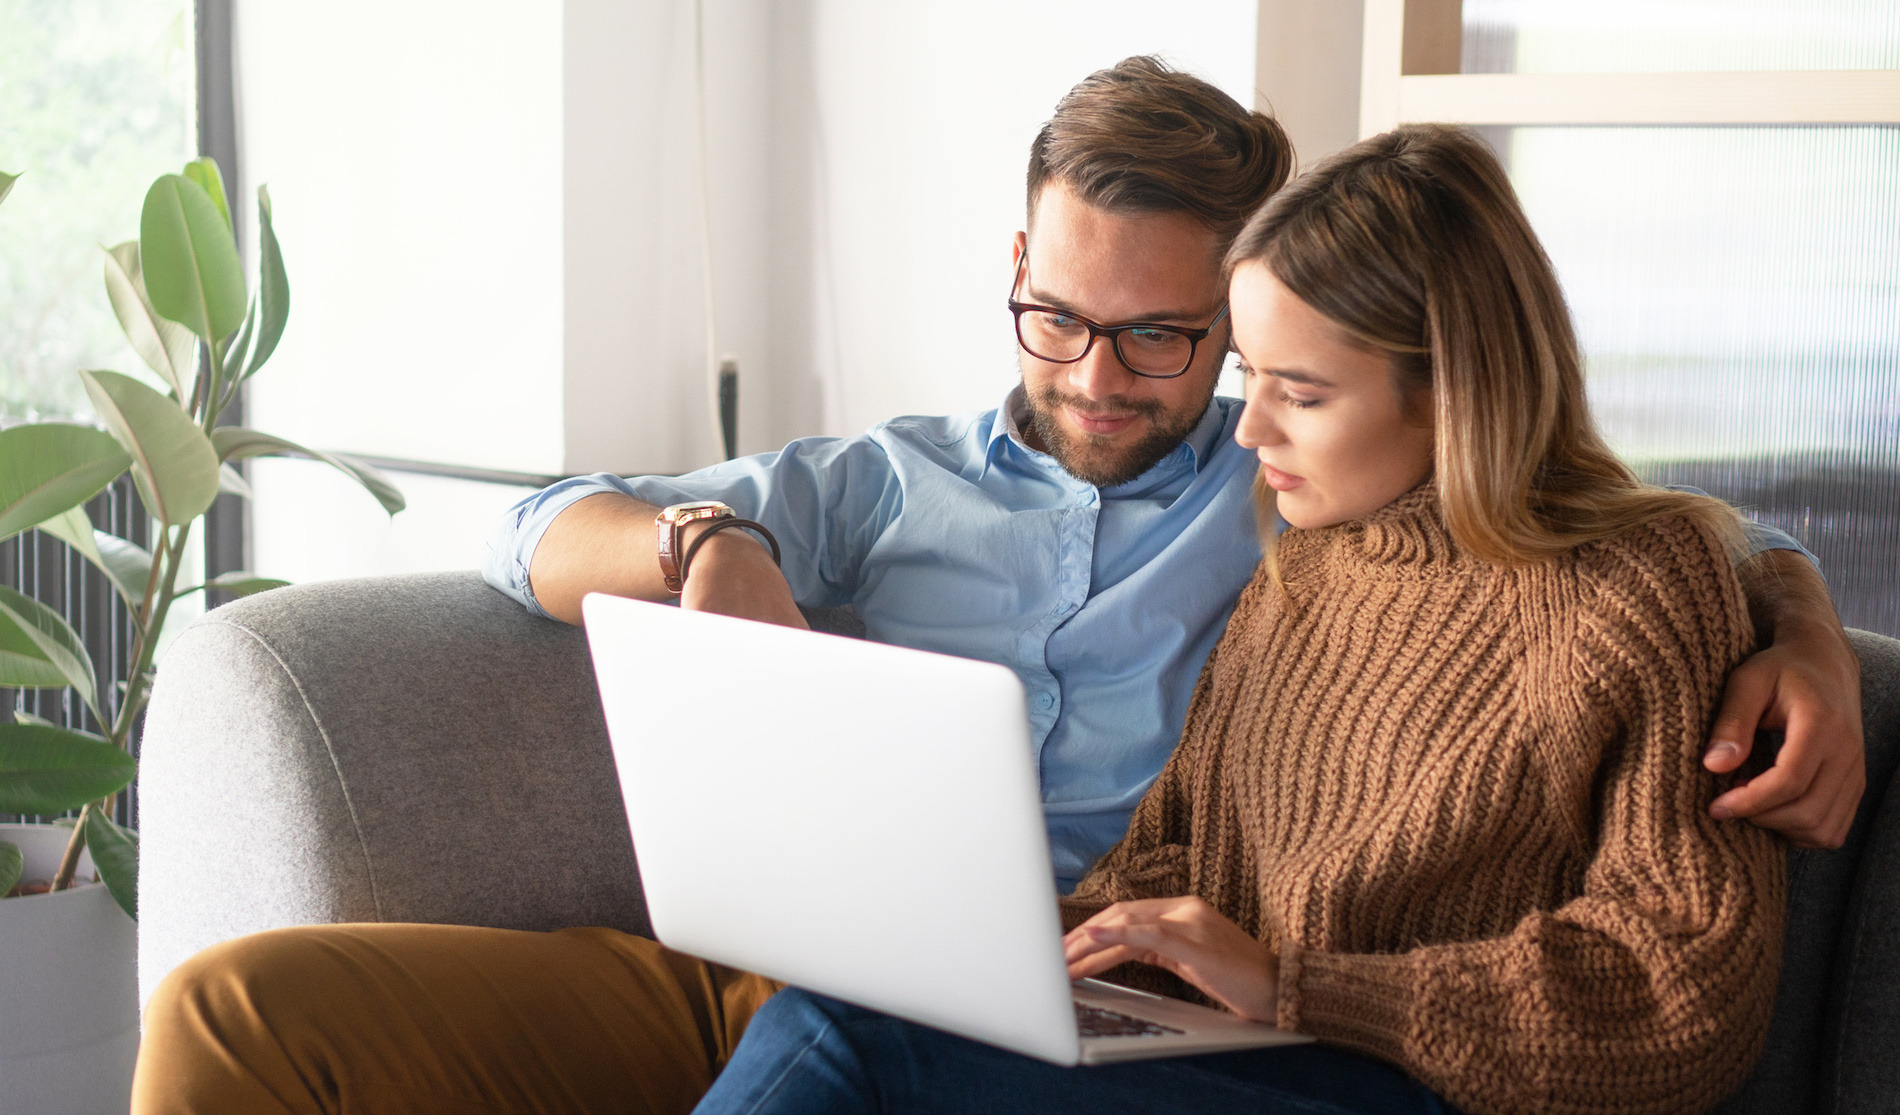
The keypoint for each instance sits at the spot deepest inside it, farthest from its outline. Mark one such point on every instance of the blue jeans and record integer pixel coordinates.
(806, 1053)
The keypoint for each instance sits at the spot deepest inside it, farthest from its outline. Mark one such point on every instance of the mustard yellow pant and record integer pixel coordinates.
(431, 1018)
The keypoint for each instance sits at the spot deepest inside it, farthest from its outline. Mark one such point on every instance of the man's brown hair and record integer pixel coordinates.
(1141, 137)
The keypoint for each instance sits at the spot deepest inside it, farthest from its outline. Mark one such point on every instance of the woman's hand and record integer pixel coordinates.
(1188, 937)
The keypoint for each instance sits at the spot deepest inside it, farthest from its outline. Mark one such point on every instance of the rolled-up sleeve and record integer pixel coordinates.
(824, 499)
(1760, 536)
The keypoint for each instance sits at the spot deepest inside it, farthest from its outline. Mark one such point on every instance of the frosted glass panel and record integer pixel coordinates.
(1625, 36)
(1737, 291)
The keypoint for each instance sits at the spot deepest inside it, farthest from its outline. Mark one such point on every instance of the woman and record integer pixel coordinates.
(1438, 801)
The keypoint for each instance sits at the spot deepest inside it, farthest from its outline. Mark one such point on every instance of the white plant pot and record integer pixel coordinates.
(68, 990)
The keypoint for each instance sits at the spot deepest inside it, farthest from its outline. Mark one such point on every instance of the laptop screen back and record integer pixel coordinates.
(858, 819)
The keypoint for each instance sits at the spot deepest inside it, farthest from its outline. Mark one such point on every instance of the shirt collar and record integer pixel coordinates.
(1205, 437)
(1010, 420)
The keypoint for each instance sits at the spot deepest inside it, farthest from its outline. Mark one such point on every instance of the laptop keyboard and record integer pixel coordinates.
(1100, 1022)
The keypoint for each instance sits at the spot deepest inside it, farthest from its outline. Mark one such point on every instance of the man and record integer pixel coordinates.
(1092, 534)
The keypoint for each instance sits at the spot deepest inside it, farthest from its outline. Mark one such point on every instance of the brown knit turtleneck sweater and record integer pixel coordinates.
(1465, 803)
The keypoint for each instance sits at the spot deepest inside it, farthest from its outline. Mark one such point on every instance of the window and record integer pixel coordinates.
(1719, 188)
(96, 100)
(1678, 36)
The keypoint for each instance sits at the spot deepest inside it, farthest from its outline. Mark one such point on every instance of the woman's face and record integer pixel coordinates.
(1336, 437)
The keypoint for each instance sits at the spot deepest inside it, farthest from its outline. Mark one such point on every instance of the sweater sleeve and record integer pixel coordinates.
(1651, 989)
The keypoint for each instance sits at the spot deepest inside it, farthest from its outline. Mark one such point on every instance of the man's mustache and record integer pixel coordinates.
(1049, 399)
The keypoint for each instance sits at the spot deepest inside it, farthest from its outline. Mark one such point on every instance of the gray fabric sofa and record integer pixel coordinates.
(421, 749)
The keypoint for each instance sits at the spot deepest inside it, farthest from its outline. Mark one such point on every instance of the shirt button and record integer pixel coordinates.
(1045, 700)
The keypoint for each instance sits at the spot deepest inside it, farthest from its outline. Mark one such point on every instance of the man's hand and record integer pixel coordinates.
(607, 543)
(1806, 683)
(1188, 937)
(733, 574)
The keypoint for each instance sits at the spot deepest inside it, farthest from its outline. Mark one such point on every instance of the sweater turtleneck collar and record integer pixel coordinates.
(1409, 531)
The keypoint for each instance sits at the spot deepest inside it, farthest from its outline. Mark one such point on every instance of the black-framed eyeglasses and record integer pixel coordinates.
(1144, 348)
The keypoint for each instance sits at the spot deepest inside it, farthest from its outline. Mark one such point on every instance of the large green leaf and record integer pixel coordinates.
(204, 171)
(10, 863)
(6, 183)
(115, 852)
(273, 288)
(22, 666)
(264, 321)
(50, 467)
(128, 567)
(237, 443)
(172, 461)
(51, 770)
(231, 482)
(30, 633)
(73, 528)
(239, 350)
(191, 262)
(167, 347)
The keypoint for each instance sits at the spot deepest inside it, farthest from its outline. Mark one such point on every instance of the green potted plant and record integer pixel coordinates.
(179, 293)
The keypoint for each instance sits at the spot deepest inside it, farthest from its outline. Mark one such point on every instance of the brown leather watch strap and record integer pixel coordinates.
(722, 524)
(669, 524)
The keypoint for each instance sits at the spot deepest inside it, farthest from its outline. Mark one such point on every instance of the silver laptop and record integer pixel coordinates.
(864, 821)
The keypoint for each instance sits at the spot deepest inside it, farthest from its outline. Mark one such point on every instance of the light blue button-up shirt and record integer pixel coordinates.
(952, 535)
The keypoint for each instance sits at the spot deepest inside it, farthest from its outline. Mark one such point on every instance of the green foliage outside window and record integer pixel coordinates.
(96, 97)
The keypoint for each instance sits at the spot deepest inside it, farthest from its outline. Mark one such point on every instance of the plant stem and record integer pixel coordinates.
(161, 588)
(164, 589)
(214, 403)
(147, 644)
(231, 390)
(143, 618)
(75, 844)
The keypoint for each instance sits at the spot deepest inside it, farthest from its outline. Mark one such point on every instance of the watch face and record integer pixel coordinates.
(677, 510)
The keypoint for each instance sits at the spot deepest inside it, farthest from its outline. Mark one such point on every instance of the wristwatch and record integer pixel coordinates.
(671, 525)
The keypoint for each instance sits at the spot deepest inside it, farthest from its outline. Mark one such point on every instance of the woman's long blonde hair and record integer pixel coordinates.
(1414, 243)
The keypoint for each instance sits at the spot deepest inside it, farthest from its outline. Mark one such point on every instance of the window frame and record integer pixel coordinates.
(1409, 72)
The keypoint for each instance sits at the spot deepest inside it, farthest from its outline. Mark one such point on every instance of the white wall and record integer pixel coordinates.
(1307, 72)
(637, 384)
(918, 121)
(490, 216)
(866, 163)
(491, 210)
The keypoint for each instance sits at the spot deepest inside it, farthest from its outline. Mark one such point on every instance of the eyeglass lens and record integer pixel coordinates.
(1061, 338)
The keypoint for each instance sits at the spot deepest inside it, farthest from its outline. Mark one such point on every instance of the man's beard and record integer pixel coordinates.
(1088, 457)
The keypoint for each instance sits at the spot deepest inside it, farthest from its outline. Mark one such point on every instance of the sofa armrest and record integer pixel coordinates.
(1835, 1021)
(1860, 1072)
(413, 748)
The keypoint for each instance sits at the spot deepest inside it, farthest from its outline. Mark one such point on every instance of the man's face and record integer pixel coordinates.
(1100, 421)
